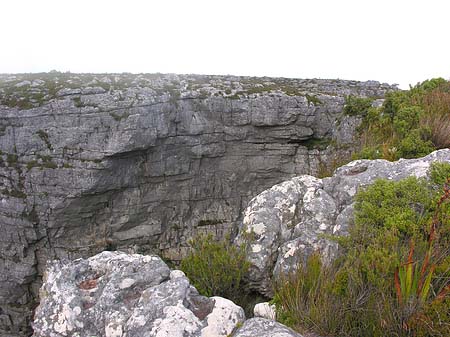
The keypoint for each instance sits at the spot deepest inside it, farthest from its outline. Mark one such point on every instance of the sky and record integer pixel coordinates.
(393, 41)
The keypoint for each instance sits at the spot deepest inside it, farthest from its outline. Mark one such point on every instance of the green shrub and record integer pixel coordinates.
(410, 123)
(385, 205)
(435, 320)
(357, 106)
(439, 173)
(216, 268)
(416, 144)
(406, 119)
(393, 275)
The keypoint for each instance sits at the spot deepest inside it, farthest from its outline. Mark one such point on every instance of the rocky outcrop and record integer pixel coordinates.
(144, 162)
(265, 310)
(115, 294)
(263, 327)
(289, 221)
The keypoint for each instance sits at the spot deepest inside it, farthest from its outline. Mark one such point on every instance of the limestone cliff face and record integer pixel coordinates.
(96, 162)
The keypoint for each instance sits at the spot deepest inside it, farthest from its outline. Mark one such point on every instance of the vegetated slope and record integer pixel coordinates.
(393, 275)
(410, 123)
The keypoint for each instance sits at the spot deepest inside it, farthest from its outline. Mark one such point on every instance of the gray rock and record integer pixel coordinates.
(286, 223)
(262, 327)
(144, 162)
(265, 310)
(115, 294)
(344, 131)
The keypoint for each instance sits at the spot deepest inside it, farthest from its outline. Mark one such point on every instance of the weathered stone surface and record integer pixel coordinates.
(265, 310)
(287, 222)
(262, 327)
(115, 294)
(144, 162)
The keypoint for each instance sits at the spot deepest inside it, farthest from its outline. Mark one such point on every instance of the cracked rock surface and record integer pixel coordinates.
(115, 294)
(145, 162)
(286, 223)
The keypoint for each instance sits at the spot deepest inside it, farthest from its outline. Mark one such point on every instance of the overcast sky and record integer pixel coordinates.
(394, 41)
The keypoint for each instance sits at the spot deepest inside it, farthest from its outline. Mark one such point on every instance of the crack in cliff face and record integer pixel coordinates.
(144, 162)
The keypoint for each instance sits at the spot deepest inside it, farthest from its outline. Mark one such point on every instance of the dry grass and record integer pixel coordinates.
(436, 105)
(439, 124)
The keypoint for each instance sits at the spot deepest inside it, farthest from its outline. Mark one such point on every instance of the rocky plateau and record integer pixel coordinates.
(142, 163)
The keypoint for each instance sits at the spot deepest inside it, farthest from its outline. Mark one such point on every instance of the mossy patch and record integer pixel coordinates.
(118, 117)
(45, 138)
(210, 222)
(315, 143)
(14, 193)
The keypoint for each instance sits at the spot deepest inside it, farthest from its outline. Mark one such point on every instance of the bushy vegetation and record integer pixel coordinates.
(393, 276)
(355, 106)
(410, 123)
(217, 269)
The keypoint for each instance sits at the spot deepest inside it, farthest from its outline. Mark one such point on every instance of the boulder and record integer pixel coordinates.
(262, 327)
(115, 294)
(265, 310)
(286, 223)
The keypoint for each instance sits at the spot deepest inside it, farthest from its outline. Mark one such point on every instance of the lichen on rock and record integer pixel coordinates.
(115, 294)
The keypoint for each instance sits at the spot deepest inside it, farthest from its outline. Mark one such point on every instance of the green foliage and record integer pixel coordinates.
(406, 119)
(313, 100)
(31, 164)
(216, 268)
(382, 206)
(12, 159)
(316, 143)
(415, 144)
(357, 106)
(439, 172)
(435, 320)
(44, 137)
(316, 297)
(410, 123)
(47, 162)
(78, 102)
(327, 168)
(209, 222)
(117, 117)
(413, 279)
(393, 276)
(14, 193)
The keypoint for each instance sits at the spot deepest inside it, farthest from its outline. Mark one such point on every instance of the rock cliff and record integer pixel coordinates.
(144, 162)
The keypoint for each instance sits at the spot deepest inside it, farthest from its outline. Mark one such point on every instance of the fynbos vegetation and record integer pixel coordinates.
(393, 276)
(410, 123)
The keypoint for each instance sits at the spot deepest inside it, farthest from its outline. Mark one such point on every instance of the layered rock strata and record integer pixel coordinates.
(144, 162)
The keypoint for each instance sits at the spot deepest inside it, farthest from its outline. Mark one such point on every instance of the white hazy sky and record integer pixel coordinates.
(394, 41)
